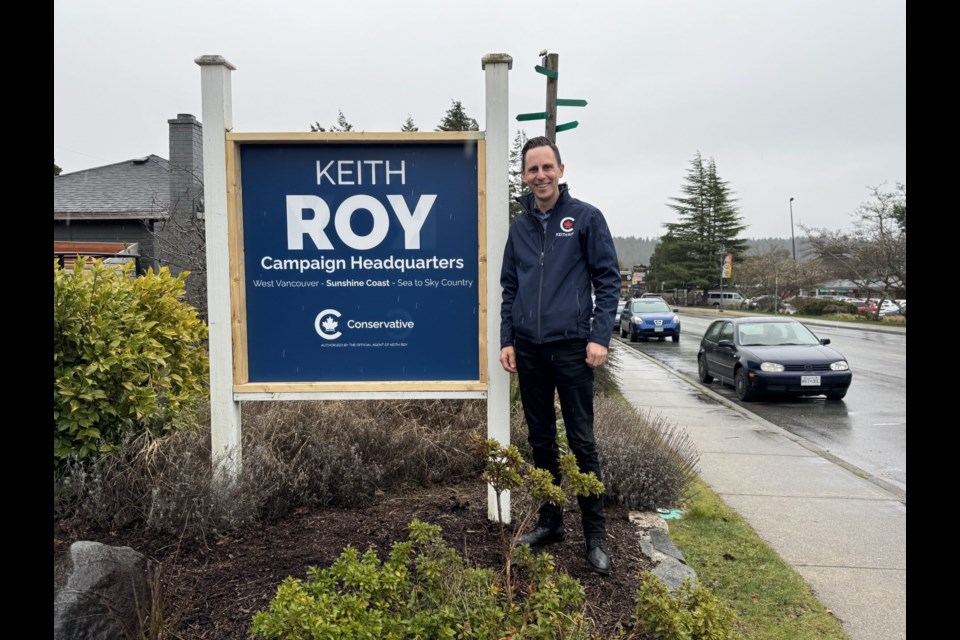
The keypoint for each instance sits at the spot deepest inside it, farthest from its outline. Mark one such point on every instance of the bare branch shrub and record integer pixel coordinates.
(646, 462)
(605, 377)
(294, 454)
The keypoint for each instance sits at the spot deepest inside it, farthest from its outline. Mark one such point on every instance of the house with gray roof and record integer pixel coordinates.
(151, 202)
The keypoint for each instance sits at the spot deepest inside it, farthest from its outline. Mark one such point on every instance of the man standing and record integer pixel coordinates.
(558, 251)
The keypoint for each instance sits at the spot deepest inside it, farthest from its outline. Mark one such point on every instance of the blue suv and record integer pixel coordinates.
(644, 318)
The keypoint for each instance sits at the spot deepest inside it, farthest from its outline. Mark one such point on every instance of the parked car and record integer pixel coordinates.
(730, 299)
(892, 309)
(644, 318)
(767, 302)
(620, 305)
(763, 355)
(864, 307)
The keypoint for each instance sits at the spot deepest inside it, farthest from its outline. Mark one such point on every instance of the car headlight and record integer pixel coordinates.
(771, 366)
(636, 320)
(676, 319)
(839, 365)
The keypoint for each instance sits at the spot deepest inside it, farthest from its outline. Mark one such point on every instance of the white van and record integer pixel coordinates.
(730, 299)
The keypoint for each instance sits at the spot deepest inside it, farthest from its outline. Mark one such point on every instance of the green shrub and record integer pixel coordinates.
(128, 356)
(692, 612)
(506, 470)
(817, 307)
(423, 590)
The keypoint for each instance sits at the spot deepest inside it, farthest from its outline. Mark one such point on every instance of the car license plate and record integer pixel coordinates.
(657, 329)
(809, 381)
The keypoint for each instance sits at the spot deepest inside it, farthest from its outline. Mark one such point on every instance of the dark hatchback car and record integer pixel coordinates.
(644, 318)
(771, 356)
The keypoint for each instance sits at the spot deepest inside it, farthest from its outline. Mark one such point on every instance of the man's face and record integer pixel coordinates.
(542, 174)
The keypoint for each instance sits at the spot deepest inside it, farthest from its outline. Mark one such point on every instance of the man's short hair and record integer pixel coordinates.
(539, 141)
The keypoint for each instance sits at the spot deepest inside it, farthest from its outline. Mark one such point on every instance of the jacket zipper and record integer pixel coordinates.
(543, 247)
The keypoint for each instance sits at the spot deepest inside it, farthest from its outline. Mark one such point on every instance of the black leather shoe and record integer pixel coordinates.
(597, 556)
(543, 534)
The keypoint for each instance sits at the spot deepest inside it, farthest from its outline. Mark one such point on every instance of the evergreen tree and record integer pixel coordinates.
(342, 124)
(56, 169)
(456, 119)
(408, 125)
(517, 187)
(689, 255)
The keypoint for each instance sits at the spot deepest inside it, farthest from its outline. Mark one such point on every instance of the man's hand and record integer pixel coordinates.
(596, 355)
(508, 359)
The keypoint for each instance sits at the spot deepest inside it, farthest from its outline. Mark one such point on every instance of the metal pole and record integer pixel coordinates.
(792, 241)
(552, 62)
(723, 255)
(776, 295)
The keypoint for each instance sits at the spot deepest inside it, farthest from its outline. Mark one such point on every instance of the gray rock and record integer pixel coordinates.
(106, 594)
(673, 572)
(662, 543)
(670, 567)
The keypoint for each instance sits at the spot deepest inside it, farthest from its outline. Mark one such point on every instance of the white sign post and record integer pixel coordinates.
(224, 410)
(496, 67)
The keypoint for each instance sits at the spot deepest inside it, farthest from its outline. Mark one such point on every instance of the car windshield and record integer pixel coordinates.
(649, 305)
(752, 334)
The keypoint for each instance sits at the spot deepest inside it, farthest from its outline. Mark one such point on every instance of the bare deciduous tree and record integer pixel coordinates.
(180, 244)
(776, 273)
(874, 254)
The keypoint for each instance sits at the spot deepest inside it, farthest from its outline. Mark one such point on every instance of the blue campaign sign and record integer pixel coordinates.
(361, 261)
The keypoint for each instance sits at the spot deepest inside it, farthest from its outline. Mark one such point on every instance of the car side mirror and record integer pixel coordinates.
(726, 343)
(676, 310)
(824, 341)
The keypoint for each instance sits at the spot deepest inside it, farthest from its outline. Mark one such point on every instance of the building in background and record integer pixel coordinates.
(150, 202)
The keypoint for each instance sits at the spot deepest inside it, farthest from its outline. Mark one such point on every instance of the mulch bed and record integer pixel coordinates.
(214, 585)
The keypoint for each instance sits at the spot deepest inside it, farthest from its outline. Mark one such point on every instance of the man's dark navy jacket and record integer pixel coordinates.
(548, 274)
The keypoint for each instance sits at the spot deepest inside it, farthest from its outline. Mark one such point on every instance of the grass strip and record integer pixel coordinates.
(770, 598)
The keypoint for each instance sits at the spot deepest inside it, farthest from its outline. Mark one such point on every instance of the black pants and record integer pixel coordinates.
(561, 367)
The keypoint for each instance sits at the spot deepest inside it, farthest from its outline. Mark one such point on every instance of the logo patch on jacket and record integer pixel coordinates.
(566, 227)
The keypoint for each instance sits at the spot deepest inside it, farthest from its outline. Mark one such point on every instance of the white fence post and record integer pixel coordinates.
(496, 67)
(217, 120)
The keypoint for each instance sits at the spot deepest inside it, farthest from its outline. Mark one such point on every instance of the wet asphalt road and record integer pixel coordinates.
(867, 429)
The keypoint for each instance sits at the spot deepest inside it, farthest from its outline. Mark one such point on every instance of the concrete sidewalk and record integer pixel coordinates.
(846, 536)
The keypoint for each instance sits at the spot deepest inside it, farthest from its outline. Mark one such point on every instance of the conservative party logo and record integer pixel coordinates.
(566, 227)
(326, 324)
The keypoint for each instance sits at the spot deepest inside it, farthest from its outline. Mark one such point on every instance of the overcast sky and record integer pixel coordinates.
(791, 98)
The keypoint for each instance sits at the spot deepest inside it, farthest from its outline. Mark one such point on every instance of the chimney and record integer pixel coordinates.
(186, 166)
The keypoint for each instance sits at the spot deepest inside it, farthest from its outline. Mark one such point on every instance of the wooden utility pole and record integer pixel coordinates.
(549, 68)
(551, 62)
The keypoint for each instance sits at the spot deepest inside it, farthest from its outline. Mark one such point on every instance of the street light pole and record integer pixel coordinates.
(793, 242)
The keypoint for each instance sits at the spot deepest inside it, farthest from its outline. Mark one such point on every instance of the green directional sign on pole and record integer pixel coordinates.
(540, 115)
(551, 69)
(550, 73)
